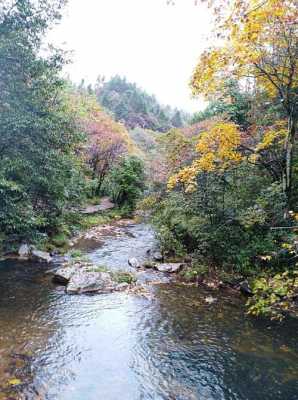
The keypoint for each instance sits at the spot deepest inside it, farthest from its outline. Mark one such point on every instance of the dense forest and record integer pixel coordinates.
(131, 105)
(220, 186)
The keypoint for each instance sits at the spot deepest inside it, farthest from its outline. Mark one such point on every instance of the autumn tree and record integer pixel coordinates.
(104, 150)
(257, 44)
(177, 149)
(106, 140)
(217, 151)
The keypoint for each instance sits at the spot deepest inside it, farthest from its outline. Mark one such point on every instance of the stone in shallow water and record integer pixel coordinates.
(149, 264)
(63, 275)
(169, 267)
(41, 256)
(133, 262)
(90, 282)
(157, 256)
(24, 251)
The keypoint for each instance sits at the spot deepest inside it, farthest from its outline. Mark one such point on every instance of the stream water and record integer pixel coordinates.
(121, 346)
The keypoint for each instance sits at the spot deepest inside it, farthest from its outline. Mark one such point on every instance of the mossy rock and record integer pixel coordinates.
(124, 277)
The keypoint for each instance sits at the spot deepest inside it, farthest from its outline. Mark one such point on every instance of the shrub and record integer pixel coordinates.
(273, 295)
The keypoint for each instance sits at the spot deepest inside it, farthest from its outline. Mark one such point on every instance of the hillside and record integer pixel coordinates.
(135, 108)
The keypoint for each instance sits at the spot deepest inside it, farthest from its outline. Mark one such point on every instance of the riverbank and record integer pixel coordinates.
(75, 222)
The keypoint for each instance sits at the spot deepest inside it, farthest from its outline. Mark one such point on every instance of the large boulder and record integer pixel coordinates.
(169, 267)
(42, 256)
(90, 282)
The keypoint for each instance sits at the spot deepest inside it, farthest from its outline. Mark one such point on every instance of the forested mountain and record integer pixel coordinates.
(135, 108)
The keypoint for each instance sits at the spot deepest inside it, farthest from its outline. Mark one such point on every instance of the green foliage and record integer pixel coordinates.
(39, 173)
(226, 220)
(76, 253)
(273, 295)
(171, 220)
(195, 272)
(232, 103)
(126, 182)
(88, 221)
(60, 239)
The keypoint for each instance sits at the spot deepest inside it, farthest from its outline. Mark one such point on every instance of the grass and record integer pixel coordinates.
(89, 221)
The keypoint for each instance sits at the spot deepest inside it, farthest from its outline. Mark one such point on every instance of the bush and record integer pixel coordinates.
(273, 296)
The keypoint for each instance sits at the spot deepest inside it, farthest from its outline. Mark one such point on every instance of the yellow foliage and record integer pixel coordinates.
(257, 41)
(270, 137)
(217, 150)
(14, 382)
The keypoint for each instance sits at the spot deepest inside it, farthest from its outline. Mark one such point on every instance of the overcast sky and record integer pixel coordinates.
(151, 43)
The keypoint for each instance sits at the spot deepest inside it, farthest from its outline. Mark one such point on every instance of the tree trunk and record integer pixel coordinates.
(289, 149)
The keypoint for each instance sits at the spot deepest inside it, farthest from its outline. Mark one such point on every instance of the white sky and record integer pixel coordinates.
(151, 43)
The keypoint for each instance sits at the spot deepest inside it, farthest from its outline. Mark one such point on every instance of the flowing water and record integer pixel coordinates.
(119, 346)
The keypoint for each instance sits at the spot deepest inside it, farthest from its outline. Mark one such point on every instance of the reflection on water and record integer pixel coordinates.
(119, 346)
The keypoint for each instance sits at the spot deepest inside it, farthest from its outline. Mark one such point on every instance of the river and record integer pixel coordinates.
(119, 346)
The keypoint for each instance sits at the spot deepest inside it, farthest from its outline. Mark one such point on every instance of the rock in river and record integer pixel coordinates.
(90, 282)
(63, 275)
(169, 267)
(157, 256)
(41, 255)
(133, 262)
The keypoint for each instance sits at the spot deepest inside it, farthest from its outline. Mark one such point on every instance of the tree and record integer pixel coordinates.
(106, 139)
(127, 182)
(177, 150)
(134, 107)
(39, 173)
(177, 120)
(232, 103)
(258, 43)
(104, 152)
(217, 150)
